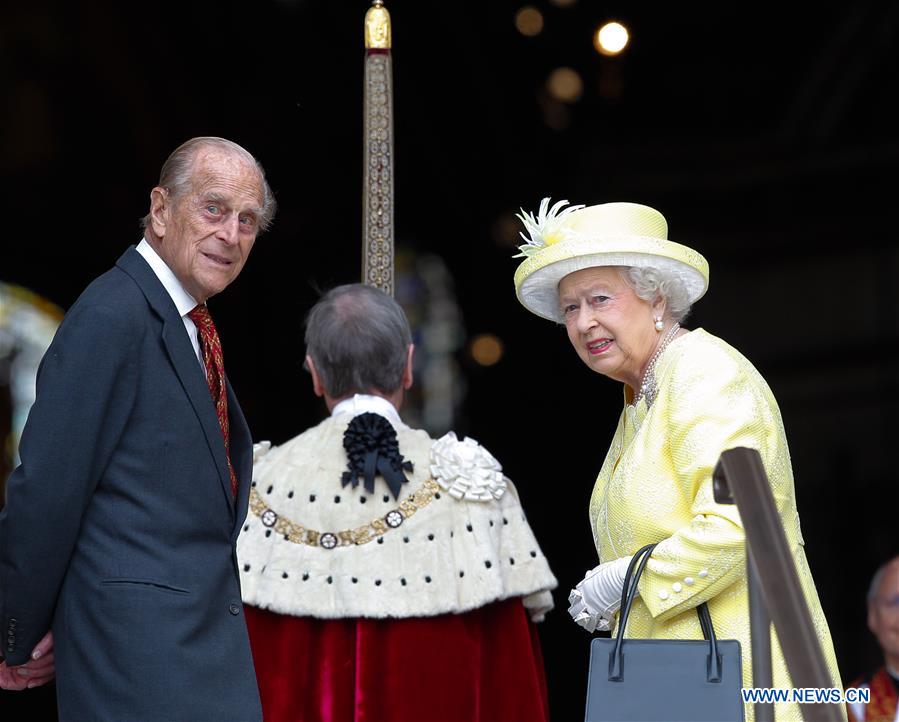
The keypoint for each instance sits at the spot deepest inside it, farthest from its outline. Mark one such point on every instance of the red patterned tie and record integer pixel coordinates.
(215, 376)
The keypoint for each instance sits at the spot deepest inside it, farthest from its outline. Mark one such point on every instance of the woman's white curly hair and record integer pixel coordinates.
(650, 283)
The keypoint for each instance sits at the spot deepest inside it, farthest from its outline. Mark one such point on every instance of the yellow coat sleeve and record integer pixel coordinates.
(709, 407)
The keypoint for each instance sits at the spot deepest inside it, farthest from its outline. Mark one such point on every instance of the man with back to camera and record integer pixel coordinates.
(120, 524)
(389, 576)
(883, 621)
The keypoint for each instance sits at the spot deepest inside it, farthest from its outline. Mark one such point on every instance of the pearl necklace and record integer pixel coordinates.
(648, 382)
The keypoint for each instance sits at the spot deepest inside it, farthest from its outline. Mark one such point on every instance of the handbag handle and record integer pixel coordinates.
(628, 592)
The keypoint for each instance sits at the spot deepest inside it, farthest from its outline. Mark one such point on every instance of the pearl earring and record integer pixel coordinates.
(659, 323)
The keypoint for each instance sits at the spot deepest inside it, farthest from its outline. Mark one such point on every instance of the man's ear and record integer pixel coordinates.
(160, 205)
(407, 372)
(317, 387)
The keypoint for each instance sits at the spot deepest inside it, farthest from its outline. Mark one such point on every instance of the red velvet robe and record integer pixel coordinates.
(480, 666)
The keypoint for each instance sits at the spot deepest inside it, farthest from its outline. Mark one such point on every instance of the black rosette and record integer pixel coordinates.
(371, 445)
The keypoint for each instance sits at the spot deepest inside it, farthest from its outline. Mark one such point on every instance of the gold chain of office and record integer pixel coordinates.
(299, 534)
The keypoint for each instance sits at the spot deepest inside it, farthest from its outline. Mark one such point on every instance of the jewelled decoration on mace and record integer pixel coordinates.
(377, 174)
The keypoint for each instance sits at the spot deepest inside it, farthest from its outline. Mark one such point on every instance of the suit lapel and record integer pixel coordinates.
(184, 360)
(241, 456)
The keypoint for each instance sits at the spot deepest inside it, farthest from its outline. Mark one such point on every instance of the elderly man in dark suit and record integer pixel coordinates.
(121, 521)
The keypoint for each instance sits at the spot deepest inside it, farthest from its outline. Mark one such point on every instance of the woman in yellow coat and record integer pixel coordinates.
(621, 288)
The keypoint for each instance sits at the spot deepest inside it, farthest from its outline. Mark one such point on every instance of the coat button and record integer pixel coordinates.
(234, 609)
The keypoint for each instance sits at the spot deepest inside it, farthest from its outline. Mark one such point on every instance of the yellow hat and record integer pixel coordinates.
(564, 240)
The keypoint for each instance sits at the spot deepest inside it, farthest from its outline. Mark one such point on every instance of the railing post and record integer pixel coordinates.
(740, 478)
(760, 633)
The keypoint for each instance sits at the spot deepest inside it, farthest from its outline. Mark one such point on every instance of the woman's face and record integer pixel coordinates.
(611, 328)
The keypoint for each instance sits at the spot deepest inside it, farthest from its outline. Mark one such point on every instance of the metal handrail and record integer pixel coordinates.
(774, 590)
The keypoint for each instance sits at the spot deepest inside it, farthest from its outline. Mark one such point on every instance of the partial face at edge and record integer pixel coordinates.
(207, 235)
(883, 613)
(611, 328)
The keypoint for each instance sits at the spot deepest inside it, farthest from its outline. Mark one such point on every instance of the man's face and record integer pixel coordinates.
(207, 234)
(883, 613)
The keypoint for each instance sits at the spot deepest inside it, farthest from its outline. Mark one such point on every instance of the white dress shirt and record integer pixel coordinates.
(184, 302)
(363, 403)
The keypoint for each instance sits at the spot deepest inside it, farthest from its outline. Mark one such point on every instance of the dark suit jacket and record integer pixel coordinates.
(119, 528)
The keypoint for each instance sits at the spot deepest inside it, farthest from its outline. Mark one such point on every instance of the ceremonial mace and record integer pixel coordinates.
(377, 173)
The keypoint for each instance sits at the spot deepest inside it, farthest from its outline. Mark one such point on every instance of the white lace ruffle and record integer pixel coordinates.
(583, 617)
(466, 470)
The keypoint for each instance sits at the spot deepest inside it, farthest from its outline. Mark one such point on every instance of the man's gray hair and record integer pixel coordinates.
(177, 172)
(358, 338)
(650, 283)
(878, 577)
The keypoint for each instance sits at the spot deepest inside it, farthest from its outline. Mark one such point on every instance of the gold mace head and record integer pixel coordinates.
(377, 26)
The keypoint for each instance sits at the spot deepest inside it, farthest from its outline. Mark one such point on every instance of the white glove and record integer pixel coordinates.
(598, 595)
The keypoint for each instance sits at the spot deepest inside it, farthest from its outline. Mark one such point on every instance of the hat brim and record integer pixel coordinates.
(537, 278)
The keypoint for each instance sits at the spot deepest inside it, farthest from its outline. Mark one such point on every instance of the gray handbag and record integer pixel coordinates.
(664, 680)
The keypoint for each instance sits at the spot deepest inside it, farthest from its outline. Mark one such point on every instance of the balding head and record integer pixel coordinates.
(177, 173)
(358, 339)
